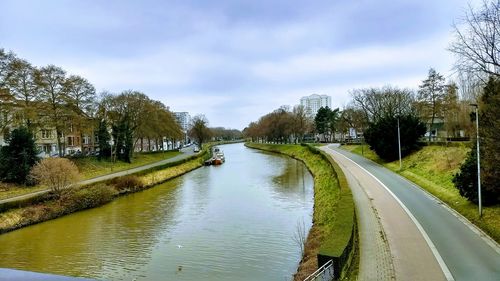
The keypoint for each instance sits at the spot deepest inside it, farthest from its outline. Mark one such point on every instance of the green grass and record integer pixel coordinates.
(11, 190)
(433, 168)
(85, 197)
(333, 203)
(90, 167)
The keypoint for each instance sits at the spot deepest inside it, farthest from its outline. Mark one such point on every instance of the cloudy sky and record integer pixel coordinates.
(235, 61)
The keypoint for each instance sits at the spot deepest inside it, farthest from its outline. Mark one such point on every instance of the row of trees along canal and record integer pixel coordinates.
(375, 112)
(34, 100)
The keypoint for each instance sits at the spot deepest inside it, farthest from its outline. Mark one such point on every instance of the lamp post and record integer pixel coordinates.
(111, 142)
(478, 160)
(399, 144)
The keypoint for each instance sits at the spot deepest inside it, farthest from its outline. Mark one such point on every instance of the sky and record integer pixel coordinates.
(234, 61)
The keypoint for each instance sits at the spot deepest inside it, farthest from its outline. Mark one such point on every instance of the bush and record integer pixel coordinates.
(466, 179)
(466, 182)
(127, 183)
(382, 136)
(55, 173)
(17, 158)
(86, 197)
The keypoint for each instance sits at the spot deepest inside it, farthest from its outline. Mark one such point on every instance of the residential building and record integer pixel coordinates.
(46, 141)
(183, 118)
(314, 102)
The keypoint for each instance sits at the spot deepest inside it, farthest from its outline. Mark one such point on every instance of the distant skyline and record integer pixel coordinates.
(235, 61)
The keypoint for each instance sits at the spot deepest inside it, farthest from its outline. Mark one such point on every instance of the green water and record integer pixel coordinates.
(230, 222)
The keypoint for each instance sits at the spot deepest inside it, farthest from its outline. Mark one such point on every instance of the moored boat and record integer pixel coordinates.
(217, 157)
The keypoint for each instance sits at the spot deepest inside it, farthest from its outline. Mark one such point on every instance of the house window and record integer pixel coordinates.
(70, 141)
(46, 134)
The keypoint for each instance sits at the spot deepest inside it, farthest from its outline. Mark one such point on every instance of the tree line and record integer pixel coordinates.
(376, 114)
(48, 98)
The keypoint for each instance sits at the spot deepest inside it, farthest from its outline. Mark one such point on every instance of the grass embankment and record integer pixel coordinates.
(332, 199)
(72, 200)
(90, 167)
(433, 168)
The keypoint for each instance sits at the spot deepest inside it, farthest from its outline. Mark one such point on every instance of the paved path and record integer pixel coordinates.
(186, 152)
(426, 239)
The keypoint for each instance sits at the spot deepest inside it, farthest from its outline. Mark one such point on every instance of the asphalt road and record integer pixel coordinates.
(466, 252)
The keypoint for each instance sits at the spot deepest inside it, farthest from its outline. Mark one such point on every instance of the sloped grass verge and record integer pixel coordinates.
(333, 232)
(432, 168)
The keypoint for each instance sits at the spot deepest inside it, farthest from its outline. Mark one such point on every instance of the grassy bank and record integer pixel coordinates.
(330, 226)
(432, 168)
(90, 167)
(85, 197)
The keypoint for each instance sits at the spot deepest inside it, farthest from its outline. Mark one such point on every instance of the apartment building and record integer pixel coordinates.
(314, 102)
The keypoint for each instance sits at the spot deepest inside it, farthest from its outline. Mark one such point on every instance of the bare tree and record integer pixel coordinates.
(24, 88)
(199, 129)
(50, 81)
(431, 96)
(6, 98)
(380, 102)
(55, 173)
(477, 40)
(302, 124)
(300, 235)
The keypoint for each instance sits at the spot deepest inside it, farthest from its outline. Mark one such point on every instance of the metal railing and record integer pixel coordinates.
(324, 273)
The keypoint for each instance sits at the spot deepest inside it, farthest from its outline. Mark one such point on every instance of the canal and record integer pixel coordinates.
(236, 221)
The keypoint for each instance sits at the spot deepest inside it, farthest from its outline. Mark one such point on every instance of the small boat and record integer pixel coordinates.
(217, 157)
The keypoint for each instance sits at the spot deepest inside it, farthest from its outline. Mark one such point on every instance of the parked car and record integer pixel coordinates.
(196, 149)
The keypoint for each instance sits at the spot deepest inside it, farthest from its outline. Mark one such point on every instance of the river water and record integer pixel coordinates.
(230, 222)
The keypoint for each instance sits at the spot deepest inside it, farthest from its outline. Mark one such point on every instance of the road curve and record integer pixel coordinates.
(462, 251)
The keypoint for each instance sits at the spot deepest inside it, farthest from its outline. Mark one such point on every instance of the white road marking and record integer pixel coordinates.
(431, 245)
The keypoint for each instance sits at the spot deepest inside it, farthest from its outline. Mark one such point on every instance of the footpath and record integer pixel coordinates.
(427, 240)
(391, 245)
(186, 152)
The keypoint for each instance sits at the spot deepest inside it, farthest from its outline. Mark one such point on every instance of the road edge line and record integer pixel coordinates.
(478, 231)
(435, 252)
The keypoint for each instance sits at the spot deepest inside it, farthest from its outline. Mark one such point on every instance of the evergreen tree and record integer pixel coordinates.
(17, 158)
(104, 138)
(382, 135)
(489, 125)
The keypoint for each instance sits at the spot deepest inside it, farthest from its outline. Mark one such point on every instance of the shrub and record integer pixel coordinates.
(466, 182)
(86, 197)
(466, 179)
(17, 158)
(55, 173)
(127, 183)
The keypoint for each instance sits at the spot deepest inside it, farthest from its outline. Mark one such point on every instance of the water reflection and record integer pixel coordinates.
(232, 222)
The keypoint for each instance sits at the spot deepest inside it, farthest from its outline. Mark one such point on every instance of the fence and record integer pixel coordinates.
(324, 273)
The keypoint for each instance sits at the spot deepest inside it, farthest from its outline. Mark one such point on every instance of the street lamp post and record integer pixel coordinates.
(399, 144)
(478, 160)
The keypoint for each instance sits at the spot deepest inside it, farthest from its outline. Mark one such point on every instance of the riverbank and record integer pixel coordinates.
(49, 206)
(330, 228)
(90, 167)
(432, 168)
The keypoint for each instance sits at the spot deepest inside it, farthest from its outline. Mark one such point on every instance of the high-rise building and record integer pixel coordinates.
(183, 118)
(314, 102)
